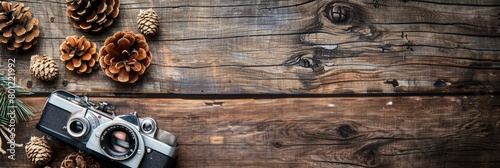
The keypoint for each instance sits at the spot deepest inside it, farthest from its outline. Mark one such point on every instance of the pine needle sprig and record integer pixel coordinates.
(20, 91)
(4, 121)
(22, 110)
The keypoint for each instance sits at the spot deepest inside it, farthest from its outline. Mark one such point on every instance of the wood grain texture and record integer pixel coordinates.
(291, 46)
(449, 131)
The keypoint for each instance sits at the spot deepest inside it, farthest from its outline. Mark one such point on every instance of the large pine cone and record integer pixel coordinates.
(43, 68)
(92, 15)
(79, 160)
(79, 54)
(148, 22)
(125, 56)
(38, 150)
(19, 29)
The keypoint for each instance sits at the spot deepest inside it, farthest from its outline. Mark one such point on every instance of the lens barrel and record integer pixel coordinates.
(118, 142)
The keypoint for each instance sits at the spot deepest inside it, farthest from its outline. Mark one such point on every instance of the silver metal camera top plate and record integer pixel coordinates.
(64, 103)
(160, 146)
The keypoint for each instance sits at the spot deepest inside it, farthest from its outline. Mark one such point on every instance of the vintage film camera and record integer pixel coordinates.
(126, 139)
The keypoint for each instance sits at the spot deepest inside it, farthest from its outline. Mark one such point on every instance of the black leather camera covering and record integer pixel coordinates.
(156, 159)
(52, 122)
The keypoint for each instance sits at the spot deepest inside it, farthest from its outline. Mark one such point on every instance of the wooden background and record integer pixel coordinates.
(268, 83)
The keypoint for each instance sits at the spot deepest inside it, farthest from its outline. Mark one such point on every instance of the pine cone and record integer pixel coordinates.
(148, 22)
(19, 29)
(43, 67)
(38, 150)
(79, 160)
(79, 54)
(125, 56)
(92, 15)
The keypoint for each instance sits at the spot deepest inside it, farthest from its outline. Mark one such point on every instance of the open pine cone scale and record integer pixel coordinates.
(125, 56)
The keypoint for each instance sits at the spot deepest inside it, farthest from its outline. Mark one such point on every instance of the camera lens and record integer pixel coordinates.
(119, 142)
(77, 127)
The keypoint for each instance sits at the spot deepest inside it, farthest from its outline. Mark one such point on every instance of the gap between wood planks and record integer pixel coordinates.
(257, 96)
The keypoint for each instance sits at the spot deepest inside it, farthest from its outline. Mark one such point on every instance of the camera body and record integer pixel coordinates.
(126, 139)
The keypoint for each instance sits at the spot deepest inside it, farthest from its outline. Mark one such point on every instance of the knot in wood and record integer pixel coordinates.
(277, 144)
(339, 13)
(345, 131)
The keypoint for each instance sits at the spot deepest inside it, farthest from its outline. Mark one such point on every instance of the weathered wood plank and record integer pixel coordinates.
(292, 47)
(450, 131)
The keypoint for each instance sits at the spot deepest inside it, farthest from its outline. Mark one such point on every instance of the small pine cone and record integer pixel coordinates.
(43, 67)
(148, 22)
(125, 56)
(79, 160)
(18, 28)
(92, 15)
(79, 54)
(38, 150)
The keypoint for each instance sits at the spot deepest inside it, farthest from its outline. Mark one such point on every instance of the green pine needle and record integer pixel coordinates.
(4, 121)
(23, 111)
(20, 91)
